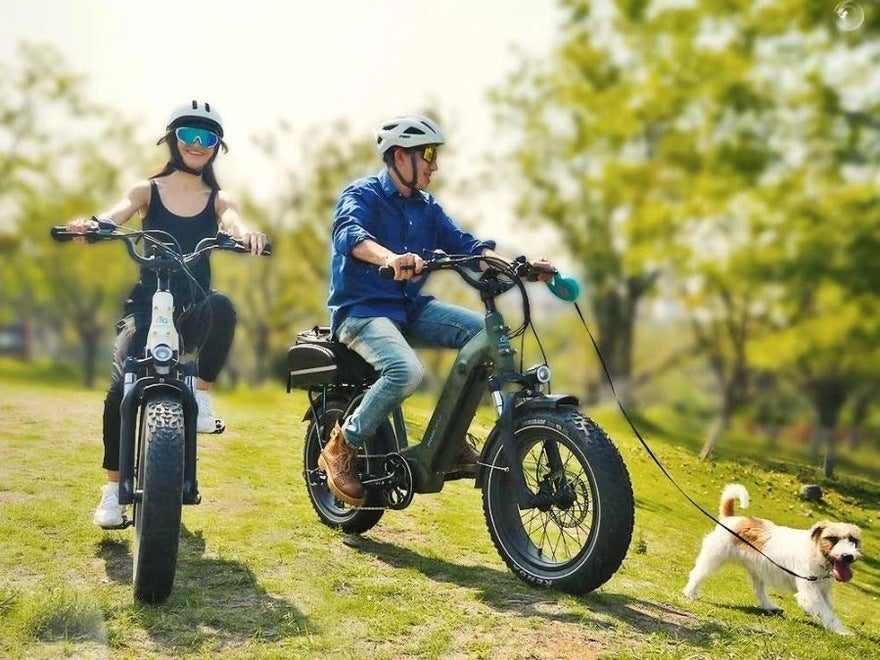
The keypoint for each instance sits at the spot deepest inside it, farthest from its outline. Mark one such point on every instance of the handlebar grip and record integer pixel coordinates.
(240, 247)
(62, 235)
(386, 272)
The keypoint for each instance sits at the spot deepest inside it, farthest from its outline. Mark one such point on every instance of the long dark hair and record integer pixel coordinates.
(176, 161)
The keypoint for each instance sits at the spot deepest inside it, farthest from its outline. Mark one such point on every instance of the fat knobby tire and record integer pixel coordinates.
(604, 499)
(158, 512)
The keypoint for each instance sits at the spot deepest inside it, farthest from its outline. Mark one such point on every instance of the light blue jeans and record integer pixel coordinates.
(387, 346)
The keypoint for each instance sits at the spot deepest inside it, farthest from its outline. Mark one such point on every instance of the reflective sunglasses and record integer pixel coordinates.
(189, 136)
(429, 153)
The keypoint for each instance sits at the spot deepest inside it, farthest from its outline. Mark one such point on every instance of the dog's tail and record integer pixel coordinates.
(730, 493)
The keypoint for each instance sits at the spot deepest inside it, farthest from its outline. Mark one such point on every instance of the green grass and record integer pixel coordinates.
(260, 577)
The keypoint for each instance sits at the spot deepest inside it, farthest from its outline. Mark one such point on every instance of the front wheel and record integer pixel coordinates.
(157, 510)
(577, 534)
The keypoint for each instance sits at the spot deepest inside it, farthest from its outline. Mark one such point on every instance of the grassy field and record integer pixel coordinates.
(260, 577)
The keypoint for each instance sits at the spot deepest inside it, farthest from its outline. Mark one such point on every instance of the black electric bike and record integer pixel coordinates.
(157, 449)
(557, 497)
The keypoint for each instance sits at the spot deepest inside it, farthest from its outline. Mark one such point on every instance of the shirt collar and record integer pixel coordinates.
(390, 190)
(387, 184)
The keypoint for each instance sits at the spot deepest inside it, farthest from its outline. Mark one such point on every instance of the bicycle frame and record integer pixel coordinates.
(487, 358)
(542, 454)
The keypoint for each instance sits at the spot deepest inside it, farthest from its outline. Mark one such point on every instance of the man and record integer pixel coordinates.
(389, 220)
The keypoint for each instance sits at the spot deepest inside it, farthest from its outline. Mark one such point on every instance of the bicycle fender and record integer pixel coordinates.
(546, 401)
(543, 402)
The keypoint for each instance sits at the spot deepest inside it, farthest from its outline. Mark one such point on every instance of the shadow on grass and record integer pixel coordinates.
(795, 612)
(504, 592)
(214, 600)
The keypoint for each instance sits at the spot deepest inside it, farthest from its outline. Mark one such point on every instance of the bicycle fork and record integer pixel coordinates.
(135, 391)
(504, 407)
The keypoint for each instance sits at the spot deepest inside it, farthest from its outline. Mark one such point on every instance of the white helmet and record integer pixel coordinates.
(408, 131)
(196, 115)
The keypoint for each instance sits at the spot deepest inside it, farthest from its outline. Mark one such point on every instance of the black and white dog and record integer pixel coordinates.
(826, 550)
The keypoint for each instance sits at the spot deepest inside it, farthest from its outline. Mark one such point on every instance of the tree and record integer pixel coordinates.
(288, 291)
(61, 157)
(657, 137)
(825, 336)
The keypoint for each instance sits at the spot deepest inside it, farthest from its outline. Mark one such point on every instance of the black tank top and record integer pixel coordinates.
(188, 230)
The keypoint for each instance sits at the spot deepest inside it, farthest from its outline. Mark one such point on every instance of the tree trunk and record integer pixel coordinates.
(261, 352)
(719, 425)
(826, 441)
(91, 341)
(828, 394)
(615, 316)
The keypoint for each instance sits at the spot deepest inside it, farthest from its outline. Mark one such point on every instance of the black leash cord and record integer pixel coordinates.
(810, 578)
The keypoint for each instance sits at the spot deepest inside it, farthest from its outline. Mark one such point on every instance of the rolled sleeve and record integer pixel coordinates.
(349, 223)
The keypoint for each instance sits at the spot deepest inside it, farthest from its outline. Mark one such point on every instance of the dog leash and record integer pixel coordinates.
(809, 578)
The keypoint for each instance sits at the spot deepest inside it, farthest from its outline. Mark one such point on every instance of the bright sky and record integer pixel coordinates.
(307, 62)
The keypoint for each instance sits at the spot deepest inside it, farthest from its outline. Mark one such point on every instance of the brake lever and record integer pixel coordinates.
(525, 270)
(224, 240)
(106, 226)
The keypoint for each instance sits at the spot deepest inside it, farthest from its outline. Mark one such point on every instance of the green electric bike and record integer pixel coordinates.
(556, 493)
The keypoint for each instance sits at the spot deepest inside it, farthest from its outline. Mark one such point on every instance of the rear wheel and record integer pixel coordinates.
(332, 511)
(159, 489)
(577, 535)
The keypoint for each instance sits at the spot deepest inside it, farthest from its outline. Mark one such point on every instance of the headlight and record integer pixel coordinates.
(540, 373)
(162, 353)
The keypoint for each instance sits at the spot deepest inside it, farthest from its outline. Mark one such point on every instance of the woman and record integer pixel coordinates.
(185, 200)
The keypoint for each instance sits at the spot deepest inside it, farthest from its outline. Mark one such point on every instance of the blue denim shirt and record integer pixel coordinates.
(371, 208)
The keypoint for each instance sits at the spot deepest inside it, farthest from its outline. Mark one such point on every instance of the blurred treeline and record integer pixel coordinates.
(708, 166)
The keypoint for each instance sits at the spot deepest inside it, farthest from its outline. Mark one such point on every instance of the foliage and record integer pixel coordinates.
(682, 144)
(287, 292)
(49, 177)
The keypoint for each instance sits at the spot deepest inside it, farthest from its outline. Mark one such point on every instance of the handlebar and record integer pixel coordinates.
(564, 288)
(165, 250)
(104, 231)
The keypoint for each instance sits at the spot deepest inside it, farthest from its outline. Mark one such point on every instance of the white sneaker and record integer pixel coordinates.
(207, 422)
(110, 514)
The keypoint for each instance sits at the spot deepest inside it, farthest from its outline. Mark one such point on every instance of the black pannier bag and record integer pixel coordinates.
(315, 360)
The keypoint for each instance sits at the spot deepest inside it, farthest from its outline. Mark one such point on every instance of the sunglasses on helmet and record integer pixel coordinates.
(190, 136)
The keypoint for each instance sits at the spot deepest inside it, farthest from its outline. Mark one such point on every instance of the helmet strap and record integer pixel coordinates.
(411, 184)
(180, 165)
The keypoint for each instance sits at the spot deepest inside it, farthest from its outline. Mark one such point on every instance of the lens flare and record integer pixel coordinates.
(849, 16)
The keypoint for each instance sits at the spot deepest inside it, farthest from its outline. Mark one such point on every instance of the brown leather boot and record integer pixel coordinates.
(465, 466)
(339, 460)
